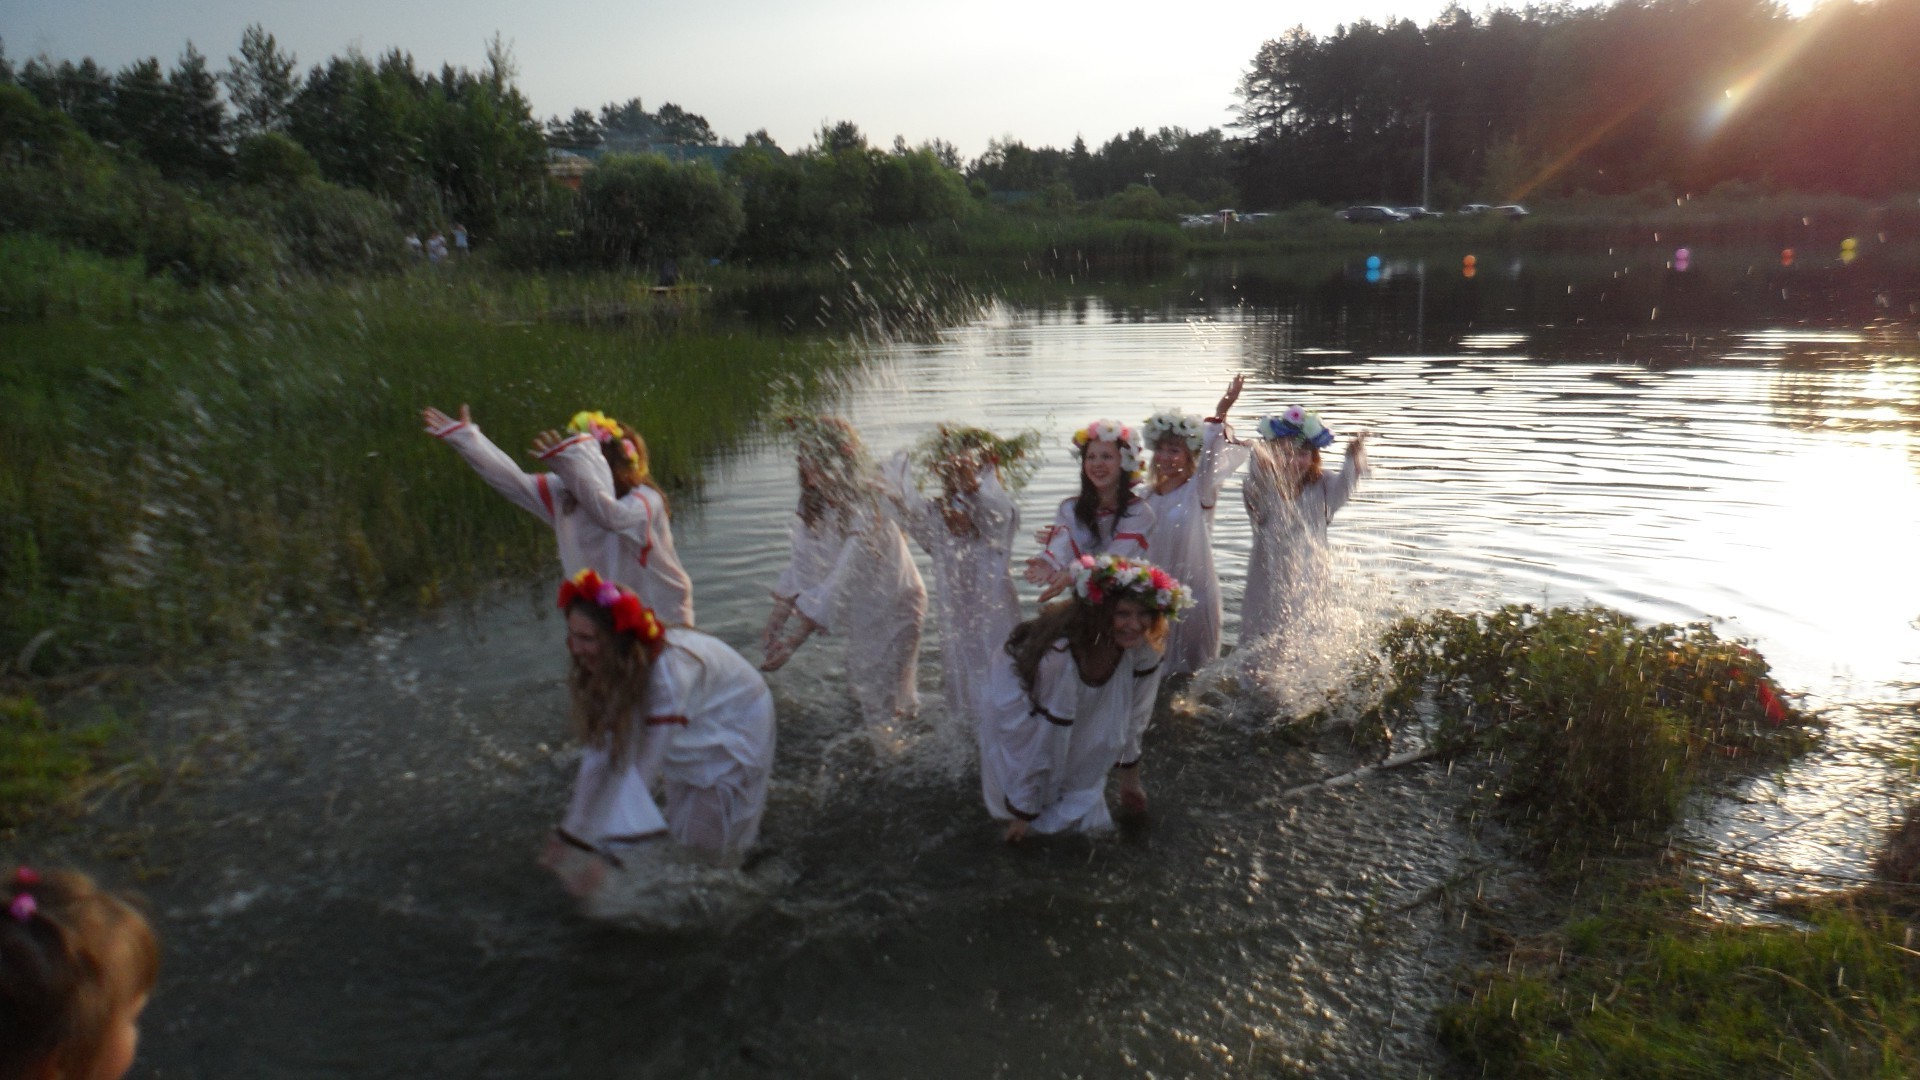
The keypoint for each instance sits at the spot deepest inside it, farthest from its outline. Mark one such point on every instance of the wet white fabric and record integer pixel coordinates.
(1047, 755)
(1068, 539)
(978, 604)
(853, 572)
(704, 735)
(1289, 563)
(1182, 545)
(625, 540)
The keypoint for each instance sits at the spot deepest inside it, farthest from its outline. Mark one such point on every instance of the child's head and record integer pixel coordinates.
(1109, 454)
(1175, 440)
(76, 966)
(1291, 443)
(612, 638)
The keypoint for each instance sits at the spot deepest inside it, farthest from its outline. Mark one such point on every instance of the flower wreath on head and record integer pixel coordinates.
(1162, 424)
(1299, 424)
(1096, 577)
(630, 616)
(1013, 458)
(1114, 432)
(605, 429)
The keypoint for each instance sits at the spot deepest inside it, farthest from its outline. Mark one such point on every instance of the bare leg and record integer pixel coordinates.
(1016, 831)
(1133, 794)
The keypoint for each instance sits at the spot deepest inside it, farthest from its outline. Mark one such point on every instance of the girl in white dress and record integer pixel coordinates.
(606, 512)
(850, 570)
(968, 529)
(1291, 501)
(659, 709)
(1070, 698)
(1105, 518)
(1192, 459)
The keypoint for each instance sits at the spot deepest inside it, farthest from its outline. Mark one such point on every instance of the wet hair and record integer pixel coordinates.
(606, 699)
(830, 449)
(1268, 452)
(78, 957)
(1081, 623)
(1086, 509)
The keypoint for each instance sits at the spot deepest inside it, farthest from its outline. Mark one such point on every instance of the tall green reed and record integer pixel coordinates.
(172, 486)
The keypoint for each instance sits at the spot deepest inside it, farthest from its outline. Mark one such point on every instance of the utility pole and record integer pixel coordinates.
(1426, 162)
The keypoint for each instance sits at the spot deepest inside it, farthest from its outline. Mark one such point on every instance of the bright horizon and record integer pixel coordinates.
(1038, 72)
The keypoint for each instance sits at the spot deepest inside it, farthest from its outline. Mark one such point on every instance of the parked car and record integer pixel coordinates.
(1415, 213)
(1512, 210)
(1473, 209)
(1370, 215)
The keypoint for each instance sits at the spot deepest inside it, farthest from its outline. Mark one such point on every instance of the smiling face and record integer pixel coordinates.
(585, 641)
(1100, 464)
(1172, 461)
(1130, 622)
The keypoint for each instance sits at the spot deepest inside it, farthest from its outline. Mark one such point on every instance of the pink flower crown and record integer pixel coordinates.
(1114, 432)
(1096, 577)
(630, 616)
(606, 429)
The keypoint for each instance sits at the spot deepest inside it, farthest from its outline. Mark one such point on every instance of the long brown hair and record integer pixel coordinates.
(606, 699)
(78, 956)
(829, 449)
(1084, 626)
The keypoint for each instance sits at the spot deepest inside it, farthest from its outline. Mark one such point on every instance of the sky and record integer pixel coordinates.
(1040, 71)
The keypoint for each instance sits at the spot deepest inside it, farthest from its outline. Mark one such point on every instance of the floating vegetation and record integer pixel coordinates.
(1595, 728)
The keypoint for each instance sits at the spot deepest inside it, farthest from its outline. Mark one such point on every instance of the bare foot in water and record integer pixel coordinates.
(580, 872)
(1016, 832)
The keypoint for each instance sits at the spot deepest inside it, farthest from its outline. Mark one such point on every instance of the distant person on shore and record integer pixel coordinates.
(436, 248)
(77, 964)
(960, 511)
(1292, 501)
(669, 273)
(663, 710)
(459, 240)
(1070, 697)
(1107, 517)
(849, 570)
(415, 247)
(605, 509)
(1192, 459)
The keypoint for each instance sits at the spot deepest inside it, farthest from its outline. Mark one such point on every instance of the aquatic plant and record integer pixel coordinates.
(174, 486)
(1595, 726)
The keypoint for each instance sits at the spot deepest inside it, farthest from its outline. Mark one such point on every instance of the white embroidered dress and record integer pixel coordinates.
(1287, 571)
(626, 540)
(978, 604)
(852, 573)
(1068, 539)
(704, 739)
(1044, 757)
(1182, 538)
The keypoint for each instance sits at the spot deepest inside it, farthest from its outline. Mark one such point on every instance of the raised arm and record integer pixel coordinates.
(536, 494)
(578, 461)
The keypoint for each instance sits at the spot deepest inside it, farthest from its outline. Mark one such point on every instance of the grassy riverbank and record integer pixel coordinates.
(256, 467)
(1593, 733)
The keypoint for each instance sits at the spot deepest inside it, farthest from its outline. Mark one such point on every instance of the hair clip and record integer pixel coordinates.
(23, 907)
(25, 877)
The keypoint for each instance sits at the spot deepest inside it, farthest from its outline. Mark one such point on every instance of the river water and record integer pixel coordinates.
(353, 891)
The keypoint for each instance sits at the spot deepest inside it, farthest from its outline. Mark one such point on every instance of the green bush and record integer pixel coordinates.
(271, 158)
(39, 277)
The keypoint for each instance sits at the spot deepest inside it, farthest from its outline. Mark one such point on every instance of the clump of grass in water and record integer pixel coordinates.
(1597, 728)
(43, 765)
(166, 487)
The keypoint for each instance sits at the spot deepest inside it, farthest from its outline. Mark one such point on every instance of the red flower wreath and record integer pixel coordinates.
(630, 616)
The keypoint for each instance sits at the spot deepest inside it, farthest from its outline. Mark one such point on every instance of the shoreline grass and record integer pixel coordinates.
(173, 486)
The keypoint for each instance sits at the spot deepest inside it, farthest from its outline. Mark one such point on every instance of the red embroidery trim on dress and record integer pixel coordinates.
(662, 721)
(546, 496)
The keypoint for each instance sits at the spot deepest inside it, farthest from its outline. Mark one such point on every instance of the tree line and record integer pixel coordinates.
(1638, 95)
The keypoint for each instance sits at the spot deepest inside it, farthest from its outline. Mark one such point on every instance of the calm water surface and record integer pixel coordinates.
(1740, 445)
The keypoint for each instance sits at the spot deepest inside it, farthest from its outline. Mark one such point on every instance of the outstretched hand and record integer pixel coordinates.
(1056, 585)
(437, 421)
(546, 441)
(1232, 395)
